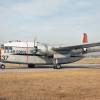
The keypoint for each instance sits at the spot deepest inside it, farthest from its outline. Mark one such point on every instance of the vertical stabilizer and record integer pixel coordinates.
(85, 39)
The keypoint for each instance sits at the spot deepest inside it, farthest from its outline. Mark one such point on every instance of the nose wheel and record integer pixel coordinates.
(2, 66)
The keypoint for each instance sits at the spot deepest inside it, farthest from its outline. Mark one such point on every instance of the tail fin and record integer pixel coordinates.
(85, 39)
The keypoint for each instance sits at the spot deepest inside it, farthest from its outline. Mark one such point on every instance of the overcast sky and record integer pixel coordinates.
(51, 21)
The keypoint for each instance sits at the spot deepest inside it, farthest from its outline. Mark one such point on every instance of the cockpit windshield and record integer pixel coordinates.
(7, 49)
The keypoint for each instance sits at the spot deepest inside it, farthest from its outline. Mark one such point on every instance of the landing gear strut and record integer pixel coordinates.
(56, 64)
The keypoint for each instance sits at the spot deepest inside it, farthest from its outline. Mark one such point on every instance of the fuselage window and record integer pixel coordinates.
(2, 46)
(5, 49)
(10, 49)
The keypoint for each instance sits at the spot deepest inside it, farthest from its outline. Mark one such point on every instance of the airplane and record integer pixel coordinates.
(35, 53)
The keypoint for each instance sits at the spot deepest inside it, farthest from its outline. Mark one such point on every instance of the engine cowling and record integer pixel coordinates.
(43, 50)
(76, 52)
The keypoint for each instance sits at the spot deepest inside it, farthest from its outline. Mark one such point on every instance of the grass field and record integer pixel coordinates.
(79, 84)
(89, 61)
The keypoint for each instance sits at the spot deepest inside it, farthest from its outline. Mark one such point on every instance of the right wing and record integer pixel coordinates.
(69, 48)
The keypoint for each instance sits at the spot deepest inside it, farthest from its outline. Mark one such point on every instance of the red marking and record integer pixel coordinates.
(84, 40)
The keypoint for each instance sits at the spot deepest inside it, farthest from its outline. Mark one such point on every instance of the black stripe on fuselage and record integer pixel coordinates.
(28, 54)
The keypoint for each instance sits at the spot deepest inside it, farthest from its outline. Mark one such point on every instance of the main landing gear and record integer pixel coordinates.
(31, 66)
(56, 64)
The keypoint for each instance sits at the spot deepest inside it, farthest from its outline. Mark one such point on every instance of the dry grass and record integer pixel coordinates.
(83, 84)
(89, 61)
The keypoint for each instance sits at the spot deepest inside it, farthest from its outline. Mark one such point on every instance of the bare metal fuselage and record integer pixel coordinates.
(27, 56)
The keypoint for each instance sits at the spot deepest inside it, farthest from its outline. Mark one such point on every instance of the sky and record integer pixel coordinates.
(50, 21)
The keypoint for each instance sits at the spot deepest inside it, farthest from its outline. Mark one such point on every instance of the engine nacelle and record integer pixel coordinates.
(76, 52)
(44, 50)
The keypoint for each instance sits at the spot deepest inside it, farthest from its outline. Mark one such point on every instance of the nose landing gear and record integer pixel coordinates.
(2, 66)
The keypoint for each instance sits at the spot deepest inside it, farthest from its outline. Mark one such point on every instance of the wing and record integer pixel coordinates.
(69, 48)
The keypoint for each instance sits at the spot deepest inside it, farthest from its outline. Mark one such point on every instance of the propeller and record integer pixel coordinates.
(40, 48)
(35, 48)
(44, 49)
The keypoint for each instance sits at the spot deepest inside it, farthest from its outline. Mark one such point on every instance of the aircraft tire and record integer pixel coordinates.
(2, 66)
(31, 66)
(57, 66)
(54, 67)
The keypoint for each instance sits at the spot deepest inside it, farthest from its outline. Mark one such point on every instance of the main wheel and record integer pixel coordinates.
(31, 66)
(57, 66)
(54, 67)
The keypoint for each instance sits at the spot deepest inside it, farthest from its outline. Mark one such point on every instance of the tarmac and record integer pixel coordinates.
(50, 68)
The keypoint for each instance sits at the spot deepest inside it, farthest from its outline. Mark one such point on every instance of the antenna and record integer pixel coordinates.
(35, 45)
(34, 42)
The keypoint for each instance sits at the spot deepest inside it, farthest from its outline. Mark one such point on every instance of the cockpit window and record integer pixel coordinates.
(7, 49)
(2, 46)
